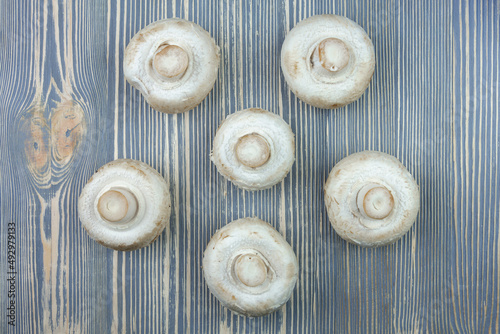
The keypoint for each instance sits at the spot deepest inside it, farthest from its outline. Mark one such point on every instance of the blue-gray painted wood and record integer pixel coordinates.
(66, 110)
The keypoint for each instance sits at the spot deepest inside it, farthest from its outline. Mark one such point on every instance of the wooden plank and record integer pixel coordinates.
(51, 118)
(476, 124)
(67, 110)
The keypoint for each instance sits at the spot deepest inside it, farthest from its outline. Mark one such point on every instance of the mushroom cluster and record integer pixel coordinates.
(125, 205)
(328, 61)
(371, 198)
(173, 63)
(250, 267)
(254, 148)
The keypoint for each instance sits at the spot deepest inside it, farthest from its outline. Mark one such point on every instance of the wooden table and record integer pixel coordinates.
(66, 110)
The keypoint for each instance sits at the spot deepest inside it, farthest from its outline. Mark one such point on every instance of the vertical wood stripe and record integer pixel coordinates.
(67, 109)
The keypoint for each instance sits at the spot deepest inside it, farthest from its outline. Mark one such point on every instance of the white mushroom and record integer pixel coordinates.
(254, 148)
(328, 61)
(125, 205)
(371, 198)
(250, 267)
(173, 63)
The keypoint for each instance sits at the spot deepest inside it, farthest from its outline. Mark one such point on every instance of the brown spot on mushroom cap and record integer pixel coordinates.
(295, 69)
(291, 271)
(137, 169)
(291, 64)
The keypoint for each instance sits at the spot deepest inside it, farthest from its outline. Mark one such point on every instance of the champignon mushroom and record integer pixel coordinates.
(250, 267)
(371, 198)
(173, 63)
(125, 205)
(328, 61)
(254, 148)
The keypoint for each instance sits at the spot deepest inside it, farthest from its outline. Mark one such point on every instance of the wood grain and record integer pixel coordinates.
(66, 110)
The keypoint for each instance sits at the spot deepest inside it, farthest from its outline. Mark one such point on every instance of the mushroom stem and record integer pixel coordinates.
(332, 54)
(252, 150)
(117, 205)
(250, 270)
(170, 61)
(375, 201)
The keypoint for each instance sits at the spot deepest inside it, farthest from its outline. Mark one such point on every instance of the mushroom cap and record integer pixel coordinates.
(341, 88)
(247, 163)
(187, 90)
(233, 265)
(348, 179)
(150, 195)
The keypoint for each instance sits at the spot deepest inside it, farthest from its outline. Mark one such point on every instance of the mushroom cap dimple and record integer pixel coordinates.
(345, 85)
(172, 86)
(101, 201)
(250, 267)
(380, 171)
(254, 148)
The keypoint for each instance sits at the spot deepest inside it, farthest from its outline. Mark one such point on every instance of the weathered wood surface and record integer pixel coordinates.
(66, 110)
